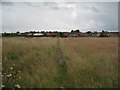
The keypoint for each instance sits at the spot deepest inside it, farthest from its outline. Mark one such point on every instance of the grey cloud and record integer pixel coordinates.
(39, 4)
(92, 8)
(95, 9)
(7, 3)
(55, 8)
(49, 5)
(33, 4)
(48, 15)
(119, 16)
(56, 5)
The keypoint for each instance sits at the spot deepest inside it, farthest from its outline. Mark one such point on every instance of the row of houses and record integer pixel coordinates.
(62, 34)
(45, 34)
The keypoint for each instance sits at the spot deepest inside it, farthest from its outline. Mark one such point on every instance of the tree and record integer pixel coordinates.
(77, 31)
(17, 32)
(42, 31)
(72, 31)
(88, 32)
(61, 34)
(104, 33)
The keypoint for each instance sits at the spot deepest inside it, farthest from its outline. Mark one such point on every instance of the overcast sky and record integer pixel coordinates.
(59, 16)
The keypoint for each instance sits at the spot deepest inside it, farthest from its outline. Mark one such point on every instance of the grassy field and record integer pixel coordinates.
(85, 62)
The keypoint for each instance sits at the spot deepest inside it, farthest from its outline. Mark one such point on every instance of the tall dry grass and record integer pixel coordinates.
(90, 62)
(33, 57)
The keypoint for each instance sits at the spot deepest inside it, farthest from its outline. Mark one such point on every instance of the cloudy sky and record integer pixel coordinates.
(59, 16)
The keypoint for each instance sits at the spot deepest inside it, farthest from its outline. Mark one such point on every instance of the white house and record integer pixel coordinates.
(38, 34)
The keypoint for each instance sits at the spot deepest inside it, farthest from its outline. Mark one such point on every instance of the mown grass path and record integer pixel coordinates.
(62, 79)
(61, 62)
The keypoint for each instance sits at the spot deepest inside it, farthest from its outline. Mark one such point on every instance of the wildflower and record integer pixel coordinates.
(11, 68)
(17, 86)
(19, 71)
(92, 78)
(9, 75)
(62, 87)
(2, 86)
(19, 77)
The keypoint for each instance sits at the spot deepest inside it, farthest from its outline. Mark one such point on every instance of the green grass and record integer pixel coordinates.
(89, 62)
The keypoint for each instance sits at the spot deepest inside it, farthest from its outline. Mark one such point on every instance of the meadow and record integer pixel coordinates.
(48, 62)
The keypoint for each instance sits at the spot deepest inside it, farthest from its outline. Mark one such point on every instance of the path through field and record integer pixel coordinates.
(61, 61)
(62, 68)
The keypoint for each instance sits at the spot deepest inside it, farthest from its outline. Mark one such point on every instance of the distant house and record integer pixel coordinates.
(74, 34)
(19, 34)
(51, 34)
(38, 34)
(113, 34)
(95, 34)
(29, 34)
(83, 34)
(66, 34)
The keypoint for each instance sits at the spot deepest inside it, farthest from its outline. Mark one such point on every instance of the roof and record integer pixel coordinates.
(37, 34)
